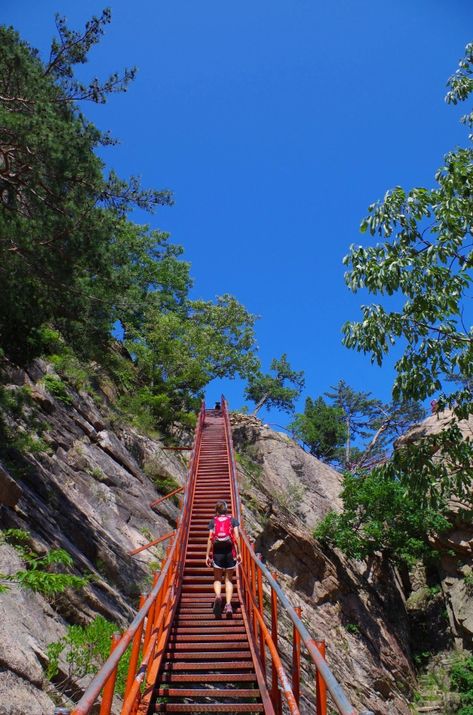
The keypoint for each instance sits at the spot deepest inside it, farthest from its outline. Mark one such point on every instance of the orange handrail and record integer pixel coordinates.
(251, 572)
(150, 628)
(167, 496)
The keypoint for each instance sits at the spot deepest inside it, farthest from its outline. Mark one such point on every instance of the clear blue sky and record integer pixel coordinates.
(275, 123)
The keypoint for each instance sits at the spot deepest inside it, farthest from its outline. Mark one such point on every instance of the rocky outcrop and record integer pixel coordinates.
(358, 609)
(83, 483)
(456, 544)
(289, 478)
(10, 492)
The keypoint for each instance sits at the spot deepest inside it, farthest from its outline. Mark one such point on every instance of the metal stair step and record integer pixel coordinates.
(190, 646)
(208, 692)
(185, 622)
(223, 665)
(179, 654)
(210, 678)
(209, 708)
(209, 639)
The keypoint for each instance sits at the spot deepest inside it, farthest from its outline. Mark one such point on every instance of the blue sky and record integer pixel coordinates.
(275, 123)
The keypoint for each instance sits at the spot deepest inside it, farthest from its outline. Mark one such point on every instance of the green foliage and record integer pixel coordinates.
(275, 391)
(64, 236)
(468, 581)
(13, 400)
(164, 483)
(57, 389)
(178, 352)
(365, 426)
(462, 681)
(41, 574)
(73, 266)
(16, 402)
(249, 466)
(352, 628)
(321, 428)
(97, 474)
(421, 267)
(85, 648)
(379, 515)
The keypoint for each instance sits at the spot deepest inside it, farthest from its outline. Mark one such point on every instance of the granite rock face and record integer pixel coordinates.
(86, 490)
(86, 487)
(359, 609)
(455, 545)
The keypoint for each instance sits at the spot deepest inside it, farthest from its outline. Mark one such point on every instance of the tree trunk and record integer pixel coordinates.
(347, 445)
(260, 404)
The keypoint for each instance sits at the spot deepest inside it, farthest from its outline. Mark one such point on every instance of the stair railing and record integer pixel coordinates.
(252, 573)
(148, 633)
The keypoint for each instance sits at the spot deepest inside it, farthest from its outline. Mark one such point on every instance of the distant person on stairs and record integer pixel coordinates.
(224, 543)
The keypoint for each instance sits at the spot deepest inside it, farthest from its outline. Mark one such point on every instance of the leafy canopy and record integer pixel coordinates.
(72, 262)
(321, 428)
(422, 267)
(279, 390)
(354, 431)
(378, 516)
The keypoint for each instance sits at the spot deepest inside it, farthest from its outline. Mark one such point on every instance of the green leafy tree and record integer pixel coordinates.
(62, 223)
(378, 516)
(279, 390)
(179, 351)
(72, 264)
(85, 649)
(423, 262)
(358, 409)
(321, 428)
(388, 423)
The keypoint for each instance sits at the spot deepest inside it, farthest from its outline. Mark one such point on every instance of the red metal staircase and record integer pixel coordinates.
(208, 665)
(183, 659)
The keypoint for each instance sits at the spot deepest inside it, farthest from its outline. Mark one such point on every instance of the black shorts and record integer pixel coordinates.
(223, 555)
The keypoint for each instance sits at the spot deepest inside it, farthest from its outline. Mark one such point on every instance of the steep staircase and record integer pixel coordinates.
(208, 665)
(181, 659)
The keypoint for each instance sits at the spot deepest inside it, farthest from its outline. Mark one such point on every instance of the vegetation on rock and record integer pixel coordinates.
(41, 574)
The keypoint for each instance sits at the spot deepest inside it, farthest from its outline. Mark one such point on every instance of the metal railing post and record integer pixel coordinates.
(320, 686)
(107, 695)
(135, 652)
(262, 647)
(158, 603)
(245, 563)
(253, 593)
(296, 659)
(149, 625)
(275, 693)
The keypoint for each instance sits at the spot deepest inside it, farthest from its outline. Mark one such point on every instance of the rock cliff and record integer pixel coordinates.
(455, 569)
(83, 481)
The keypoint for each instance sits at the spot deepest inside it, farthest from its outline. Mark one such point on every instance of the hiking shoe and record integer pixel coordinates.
(217, 608)
(228, 611)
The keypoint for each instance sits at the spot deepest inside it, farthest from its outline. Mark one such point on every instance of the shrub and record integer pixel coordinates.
(39, 575)
(86, 648)
(164, 483)
(462, 680)
(57, 389)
